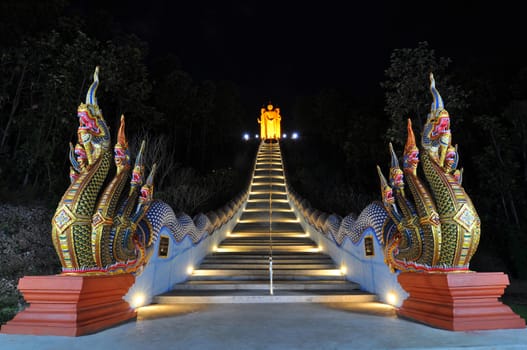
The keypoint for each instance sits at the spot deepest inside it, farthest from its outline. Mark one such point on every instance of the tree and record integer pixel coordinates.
(407, 90)
(46, 79)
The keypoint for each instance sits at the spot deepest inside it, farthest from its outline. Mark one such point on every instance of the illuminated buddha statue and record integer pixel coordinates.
(270, 123)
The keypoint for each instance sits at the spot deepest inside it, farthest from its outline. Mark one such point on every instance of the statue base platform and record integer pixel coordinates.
(71, 305)
(458, 301)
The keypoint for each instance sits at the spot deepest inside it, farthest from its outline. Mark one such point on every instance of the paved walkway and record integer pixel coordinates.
(271, 326)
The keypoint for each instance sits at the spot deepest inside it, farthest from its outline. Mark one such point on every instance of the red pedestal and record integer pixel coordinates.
(71, 305)
(458, 301)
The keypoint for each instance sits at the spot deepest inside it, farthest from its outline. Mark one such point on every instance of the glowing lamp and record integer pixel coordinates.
(190, 269)
(294, 136)
(246, 137)
(138, 300)
(391, 298)
(343, 269)
(284, 136)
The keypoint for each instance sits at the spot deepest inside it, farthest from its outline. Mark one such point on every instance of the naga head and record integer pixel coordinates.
(386, 190)
(92, 129)
(121, 153)
(439, 119)
(436, 132)
(451, 159)
(411, 152)
(81, 156)
(139, 169)
(396, 174)
(88, 122)
(147, 191)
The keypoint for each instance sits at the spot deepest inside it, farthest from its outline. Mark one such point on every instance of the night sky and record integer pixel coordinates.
(275, 51)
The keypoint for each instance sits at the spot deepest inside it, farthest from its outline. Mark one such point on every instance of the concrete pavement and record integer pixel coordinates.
(271, 326)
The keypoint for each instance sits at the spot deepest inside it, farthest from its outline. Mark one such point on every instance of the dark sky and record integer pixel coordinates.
(277, 49)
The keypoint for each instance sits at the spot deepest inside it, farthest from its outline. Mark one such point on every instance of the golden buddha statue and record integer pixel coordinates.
(270, 123)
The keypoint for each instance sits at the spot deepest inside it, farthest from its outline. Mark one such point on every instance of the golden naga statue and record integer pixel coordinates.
(437, 227)
(95, 226)
(270, 123)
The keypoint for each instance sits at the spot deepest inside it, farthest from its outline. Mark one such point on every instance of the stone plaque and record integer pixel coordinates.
(163, 246)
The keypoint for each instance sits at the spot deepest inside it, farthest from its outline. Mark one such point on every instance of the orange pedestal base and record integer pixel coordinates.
(71, 305)
(458, 301)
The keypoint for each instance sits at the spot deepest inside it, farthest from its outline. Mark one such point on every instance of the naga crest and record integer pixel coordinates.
(438, 226)
(94, 229)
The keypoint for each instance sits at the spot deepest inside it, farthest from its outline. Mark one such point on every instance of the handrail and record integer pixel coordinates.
(271, 291)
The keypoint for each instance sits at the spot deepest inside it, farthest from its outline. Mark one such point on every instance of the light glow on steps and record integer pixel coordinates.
(265, 266)
(297, 249)
(267, 200)
(266, 177)
(245, 299)
(282, 210)
(265, 272)
(275, 221)
(268, 184)
(266, 234)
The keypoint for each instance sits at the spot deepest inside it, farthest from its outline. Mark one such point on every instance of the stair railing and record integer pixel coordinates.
(271, 291)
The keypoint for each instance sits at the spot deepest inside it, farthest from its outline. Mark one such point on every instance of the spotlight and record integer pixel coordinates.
(138, 300)
(246, 137)
(294, 136)
(284, 136)
(391, 298)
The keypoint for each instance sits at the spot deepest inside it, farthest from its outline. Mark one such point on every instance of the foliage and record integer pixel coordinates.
(407, 90)
(43, 82)
(25, 249)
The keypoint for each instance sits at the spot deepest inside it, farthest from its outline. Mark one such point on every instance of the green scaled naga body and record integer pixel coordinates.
(440, 229)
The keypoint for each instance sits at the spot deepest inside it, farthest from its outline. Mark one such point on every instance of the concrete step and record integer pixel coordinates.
(267, 172)
(286, 274)
(265, 265)
(266, 188)
(263, 236)
(231, 248)
(275, 202)
(265, 205)
(277, 227)
(268, 182)
(276, 255)
(263, 164)
(266, 245)
(256, 277)
(263, 215)
(282, 196)
(266, 234)
(266, 240)
(317, 285)
(252, 297)
(265, 260)
(268, 169)
(266, 177)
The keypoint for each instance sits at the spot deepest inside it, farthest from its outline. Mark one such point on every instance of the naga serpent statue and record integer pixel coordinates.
(431, 227)
(92, 229)
(98, 227)
(439, 230)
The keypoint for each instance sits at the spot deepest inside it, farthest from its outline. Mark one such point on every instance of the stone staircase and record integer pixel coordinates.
(238, 270)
